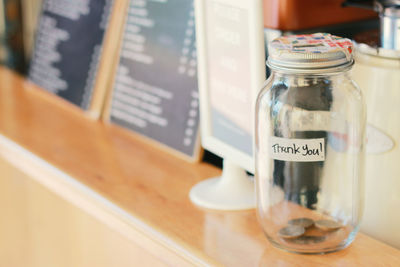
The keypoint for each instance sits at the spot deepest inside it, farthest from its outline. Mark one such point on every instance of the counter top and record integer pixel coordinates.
(144, 187)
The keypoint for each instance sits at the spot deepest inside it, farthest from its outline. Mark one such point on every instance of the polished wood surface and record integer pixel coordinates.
(152, 186)
(31, 236)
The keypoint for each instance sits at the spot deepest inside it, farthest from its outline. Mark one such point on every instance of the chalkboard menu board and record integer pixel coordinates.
(68, 46)
(155, 90)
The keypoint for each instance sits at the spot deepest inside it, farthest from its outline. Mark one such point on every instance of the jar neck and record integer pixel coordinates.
(303, 80)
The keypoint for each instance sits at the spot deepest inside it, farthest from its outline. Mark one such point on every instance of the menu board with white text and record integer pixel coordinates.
(155, 90)
(68, 47)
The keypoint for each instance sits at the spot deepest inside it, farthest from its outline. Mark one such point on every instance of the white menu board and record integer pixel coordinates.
(231, 62)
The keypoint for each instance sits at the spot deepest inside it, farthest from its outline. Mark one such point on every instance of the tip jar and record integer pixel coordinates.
(310, 124)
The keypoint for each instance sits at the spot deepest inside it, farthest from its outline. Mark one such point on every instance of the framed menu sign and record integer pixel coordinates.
(231, 71)
(155, 92)
(69, 46)
(230, 46)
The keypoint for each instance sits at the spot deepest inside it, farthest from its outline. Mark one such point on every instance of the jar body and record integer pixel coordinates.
(309, 159)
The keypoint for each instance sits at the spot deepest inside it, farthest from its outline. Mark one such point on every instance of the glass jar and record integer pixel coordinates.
(310, 123)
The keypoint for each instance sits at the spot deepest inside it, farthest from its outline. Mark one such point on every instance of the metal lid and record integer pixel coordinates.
(316, 52)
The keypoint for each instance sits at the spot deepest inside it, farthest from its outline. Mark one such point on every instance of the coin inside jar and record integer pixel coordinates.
(291, 231)
(303, 222)
(327, 225)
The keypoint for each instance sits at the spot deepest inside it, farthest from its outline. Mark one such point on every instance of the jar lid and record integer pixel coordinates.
(310, 52)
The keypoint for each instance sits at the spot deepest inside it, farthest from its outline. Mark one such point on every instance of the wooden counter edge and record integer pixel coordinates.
(97, 206)
(108, 213)
(162, 242)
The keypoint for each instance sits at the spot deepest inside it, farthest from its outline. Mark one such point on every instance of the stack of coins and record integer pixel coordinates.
(296, 228)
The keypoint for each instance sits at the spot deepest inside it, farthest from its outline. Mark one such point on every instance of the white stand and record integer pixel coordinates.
(232, 191)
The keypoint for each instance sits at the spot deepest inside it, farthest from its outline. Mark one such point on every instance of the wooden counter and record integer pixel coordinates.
(139, 191)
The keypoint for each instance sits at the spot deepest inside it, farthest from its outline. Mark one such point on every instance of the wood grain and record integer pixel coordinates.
(151, 185)
(69, 237)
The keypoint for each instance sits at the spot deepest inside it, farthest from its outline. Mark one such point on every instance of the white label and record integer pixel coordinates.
(297, 149)
(377, 141)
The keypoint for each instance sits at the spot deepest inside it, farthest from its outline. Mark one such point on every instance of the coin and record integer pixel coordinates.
(327, 225)
(304, 222)
(291, 231)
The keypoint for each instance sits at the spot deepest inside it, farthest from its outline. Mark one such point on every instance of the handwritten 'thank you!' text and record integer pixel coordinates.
(297, 149)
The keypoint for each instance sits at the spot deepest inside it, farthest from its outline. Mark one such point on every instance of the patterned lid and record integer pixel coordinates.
(309, 52)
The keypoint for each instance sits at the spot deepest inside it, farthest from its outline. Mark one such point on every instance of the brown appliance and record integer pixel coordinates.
(295, 15)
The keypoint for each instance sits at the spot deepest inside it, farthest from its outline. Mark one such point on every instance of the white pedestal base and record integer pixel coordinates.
(232, 191)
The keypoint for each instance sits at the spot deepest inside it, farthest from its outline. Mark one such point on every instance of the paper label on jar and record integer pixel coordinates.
(302, 150)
